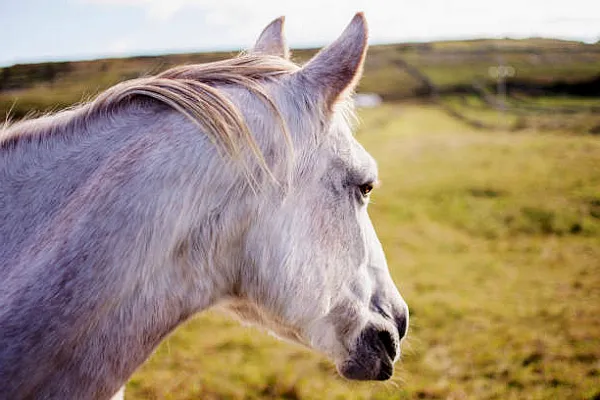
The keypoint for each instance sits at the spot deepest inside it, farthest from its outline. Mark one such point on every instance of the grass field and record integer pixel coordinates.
(493, 239)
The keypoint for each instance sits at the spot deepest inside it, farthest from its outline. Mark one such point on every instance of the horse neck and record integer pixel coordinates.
(95, 250)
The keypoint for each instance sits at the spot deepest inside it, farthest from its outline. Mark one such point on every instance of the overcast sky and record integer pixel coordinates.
(40, 30)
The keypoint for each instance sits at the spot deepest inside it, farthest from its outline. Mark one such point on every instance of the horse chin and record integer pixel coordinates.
(374, 369)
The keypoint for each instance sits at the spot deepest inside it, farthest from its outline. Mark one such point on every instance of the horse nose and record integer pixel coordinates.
(397, 314)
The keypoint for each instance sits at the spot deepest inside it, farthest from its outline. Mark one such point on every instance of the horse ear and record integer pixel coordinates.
(272, 41)
(336, 70)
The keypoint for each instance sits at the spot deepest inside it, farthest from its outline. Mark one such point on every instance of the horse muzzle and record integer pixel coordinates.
(375, 351)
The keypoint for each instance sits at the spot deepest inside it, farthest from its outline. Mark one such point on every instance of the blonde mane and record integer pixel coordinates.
(193, 91)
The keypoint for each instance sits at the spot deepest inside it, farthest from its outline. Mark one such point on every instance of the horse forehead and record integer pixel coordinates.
(352, 155)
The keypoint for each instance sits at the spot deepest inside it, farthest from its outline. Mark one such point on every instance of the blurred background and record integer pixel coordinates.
(485, 120)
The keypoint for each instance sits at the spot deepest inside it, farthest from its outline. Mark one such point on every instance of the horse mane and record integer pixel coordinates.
(193, 91)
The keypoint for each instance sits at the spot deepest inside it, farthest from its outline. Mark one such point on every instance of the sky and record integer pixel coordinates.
(56, 30)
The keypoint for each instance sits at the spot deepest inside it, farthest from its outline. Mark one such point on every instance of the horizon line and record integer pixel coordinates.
(306, 46)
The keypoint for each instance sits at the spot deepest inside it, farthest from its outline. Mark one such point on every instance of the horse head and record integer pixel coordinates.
(313, 270)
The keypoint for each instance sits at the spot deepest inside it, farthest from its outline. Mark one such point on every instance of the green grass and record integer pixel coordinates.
(493, 239)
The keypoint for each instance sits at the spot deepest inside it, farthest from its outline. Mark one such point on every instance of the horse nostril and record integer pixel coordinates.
(402, 324)
(388, 343)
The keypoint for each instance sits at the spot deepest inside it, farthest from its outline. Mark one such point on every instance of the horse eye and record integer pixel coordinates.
(366, 188)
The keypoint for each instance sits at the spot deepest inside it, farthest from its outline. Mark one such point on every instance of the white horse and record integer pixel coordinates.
(236, 183)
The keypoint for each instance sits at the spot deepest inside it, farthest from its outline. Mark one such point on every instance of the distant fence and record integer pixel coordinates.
(455, 75)
(516, 105)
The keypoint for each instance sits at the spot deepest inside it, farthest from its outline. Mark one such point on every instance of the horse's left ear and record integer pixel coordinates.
(336, 70)
(272, 41)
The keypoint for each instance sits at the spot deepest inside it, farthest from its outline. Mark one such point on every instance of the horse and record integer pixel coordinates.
(235, 184)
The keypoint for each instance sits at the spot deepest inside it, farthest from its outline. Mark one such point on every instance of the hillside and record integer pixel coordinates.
(540, 65)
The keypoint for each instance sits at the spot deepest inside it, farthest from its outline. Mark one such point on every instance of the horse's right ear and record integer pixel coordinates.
(335, 71)
(272, 41)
